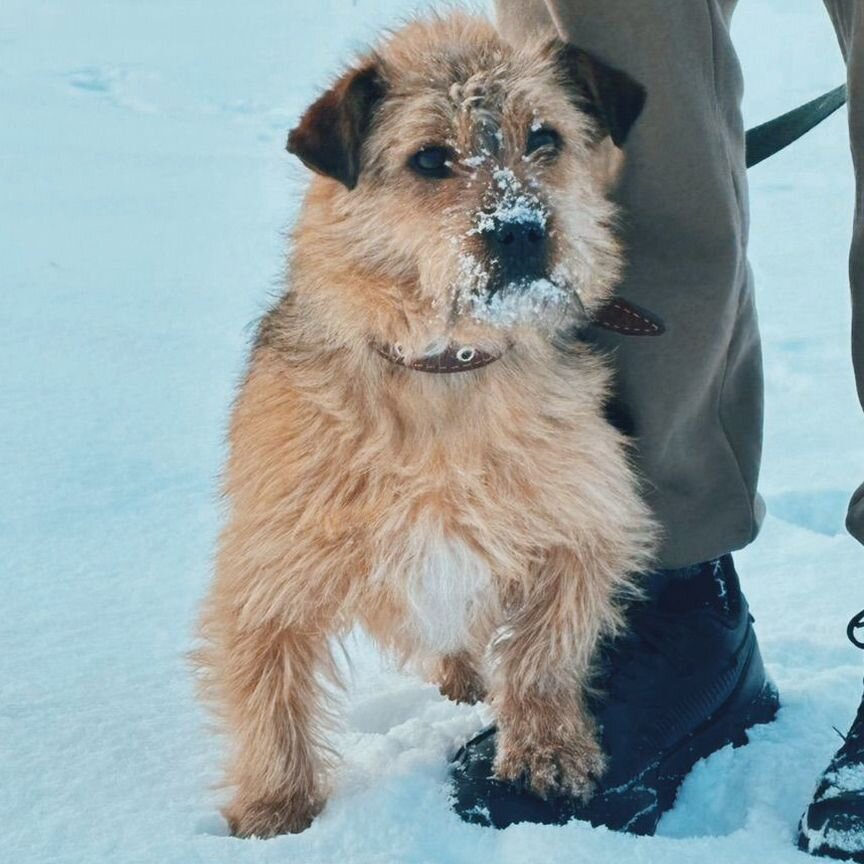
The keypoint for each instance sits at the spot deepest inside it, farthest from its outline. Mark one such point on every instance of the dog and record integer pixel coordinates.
(418, 446)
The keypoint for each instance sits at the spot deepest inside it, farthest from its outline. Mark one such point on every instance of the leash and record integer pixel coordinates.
(769, 138)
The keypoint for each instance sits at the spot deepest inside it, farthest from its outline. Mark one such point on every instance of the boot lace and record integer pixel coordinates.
(857, 623)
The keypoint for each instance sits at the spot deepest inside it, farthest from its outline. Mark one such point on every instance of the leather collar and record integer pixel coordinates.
(619, 316)
(454, 359)
(627, 318)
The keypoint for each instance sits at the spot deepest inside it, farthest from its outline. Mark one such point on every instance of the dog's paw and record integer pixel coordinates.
(458, 680)
(267, 818)
(460, 691)
(555, 768)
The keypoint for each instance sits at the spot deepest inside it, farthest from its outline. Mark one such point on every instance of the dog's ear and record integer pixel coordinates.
(610, 95)
(330, 135)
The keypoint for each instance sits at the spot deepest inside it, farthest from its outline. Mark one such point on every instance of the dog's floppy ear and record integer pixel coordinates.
(330, 135)
(609, 94)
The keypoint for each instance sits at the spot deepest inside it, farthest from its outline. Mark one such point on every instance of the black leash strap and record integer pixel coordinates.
(771, 137)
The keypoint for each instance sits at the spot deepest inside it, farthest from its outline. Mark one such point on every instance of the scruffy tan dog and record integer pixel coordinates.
(416, 446)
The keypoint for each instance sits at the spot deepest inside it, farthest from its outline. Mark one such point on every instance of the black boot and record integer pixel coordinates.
(833, 824)
(687, 680)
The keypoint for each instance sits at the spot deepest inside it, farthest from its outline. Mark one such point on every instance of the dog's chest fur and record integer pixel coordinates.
(444, 583)
(510, 463)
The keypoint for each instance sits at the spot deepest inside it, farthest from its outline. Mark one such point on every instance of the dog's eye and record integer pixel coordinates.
(432, 162)
(542, 138)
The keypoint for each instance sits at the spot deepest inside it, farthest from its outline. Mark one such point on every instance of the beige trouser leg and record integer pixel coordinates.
(693, 397)
(848, 18)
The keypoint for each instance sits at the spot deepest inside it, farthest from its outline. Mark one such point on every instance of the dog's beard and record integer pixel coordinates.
(549, 302)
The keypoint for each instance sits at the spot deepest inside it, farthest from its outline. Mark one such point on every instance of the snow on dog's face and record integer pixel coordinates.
(472, 182)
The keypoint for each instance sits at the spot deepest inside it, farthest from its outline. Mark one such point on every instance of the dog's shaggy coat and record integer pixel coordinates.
(485, 525)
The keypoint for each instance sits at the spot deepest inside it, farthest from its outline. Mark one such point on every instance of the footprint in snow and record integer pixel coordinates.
(93, 79)
(822, 511)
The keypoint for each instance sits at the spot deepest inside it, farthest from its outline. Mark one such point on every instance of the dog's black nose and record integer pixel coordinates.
(519, 248)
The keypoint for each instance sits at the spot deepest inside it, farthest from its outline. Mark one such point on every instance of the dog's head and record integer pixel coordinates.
(468, 180)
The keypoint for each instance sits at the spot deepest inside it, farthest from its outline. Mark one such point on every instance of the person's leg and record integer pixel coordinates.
(689, 678)
(693, 397)
(833, 824)
(848, 20)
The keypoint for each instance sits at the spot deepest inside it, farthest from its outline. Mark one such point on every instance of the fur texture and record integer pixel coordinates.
(484, 526)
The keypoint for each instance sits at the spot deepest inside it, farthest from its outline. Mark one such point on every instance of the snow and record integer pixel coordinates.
(539, 301)
(847, 778)
(511, 204)
(847, 841)
(144, 192)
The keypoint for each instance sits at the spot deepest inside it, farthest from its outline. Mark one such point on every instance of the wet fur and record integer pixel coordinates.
(346, 470)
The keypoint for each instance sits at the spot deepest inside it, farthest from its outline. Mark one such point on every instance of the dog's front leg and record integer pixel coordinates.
(267, 688)
(547, 737)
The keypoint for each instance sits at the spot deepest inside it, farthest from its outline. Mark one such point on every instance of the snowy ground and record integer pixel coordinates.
(143, 189)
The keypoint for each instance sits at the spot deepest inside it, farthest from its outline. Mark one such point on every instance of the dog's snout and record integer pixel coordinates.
(519, 248)
(518, 234)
